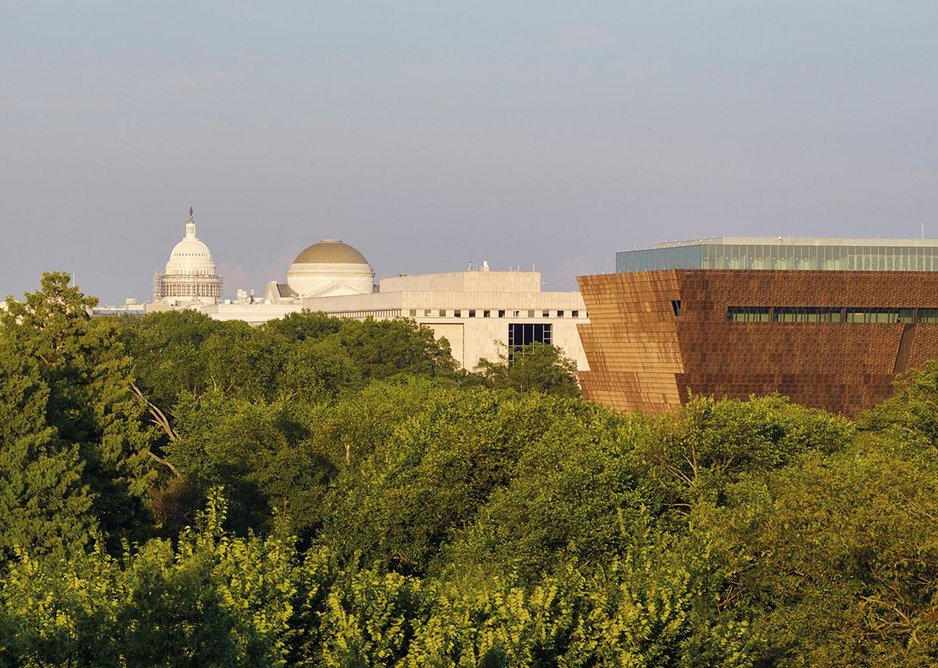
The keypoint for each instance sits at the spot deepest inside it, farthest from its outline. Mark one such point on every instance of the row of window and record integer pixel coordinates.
(524, 334)
(825, 257)
(830, 314)
(781, 257)
(495, 313)
(376, 314)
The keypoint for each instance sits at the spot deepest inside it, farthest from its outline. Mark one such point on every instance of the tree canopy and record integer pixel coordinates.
(324, 492)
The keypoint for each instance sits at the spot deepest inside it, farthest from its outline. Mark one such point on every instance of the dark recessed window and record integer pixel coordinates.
(524, 334)
(486, 314)
(830, 314)
(748, 314)
(676, 307)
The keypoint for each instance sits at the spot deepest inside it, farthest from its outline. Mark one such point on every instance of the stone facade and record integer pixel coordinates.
(656, 337)
(474, 310)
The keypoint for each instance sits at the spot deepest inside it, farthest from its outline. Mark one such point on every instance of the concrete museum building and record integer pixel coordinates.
(827, 322)
(482, 313)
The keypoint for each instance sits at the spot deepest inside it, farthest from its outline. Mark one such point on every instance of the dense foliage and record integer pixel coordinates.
(180, 491)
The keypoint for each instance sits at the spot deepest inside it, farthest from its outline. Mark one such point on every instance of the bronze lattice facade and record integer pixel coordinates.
(831, 339)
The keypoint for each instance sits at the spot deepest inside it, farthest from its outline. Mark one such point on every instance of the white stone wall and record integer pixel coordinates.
(478, 331)
(471, 320)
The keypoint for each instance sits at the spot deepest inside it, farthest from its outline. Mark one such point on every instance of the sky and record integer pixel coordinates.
(430, 134)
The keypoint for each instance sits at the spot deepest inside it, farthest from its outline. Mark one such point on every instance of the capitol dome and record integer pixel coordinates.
(191, 255)
(190, 273)
(330, 268)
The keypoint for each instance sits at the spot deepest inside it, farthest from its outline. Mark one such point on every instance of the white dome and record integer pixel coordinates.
(190, 273)
(190, 256)
(330, 268)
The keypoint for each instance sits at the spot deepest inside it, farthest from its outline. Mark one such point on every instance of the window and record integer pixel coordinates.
(559, 314)
(531, 314)
(676, 307)
(426, 312)
(881, 315)
(524, 334)
(501, 313)
(574, 314)
(830, 314)
(472, 313)
(486, 314)
(457, 313)
(545, 314)
(516, 314)
(413, 313)
(442, 312)
(928, 315)
(748, 313)
(807, 314)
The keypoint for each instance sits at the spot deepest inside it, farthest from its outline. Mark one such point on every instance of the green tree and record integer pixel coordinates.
(494, 623)
(260, 453)
(694, 453)
(319, 371)
(423, 486)
(306, 326)
(90, 401)
(245, 362)
(912, 413)
(44, 505)
(385, 348)
(534, 367)
(572, 497)
(834, 557)
(212, 600)
(167, 353)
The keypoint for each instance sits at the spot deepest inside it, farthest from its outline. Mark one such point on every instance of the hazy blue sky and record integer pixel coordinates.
(429, 134)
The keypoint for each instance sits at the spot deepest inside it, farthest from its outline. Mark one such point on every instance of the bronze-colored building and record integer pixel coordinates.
(834, 339)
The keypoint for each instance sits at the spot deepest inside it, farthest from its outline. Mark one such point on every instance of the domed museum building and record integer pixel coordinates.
(328, 268)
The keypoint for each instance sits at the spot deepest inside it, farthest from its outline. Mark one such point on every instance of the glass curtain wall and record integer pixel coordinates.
(781, 257)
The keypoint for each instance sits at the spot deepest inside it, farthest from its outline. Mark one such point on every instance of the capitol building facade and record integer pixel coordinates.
(190, 277)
